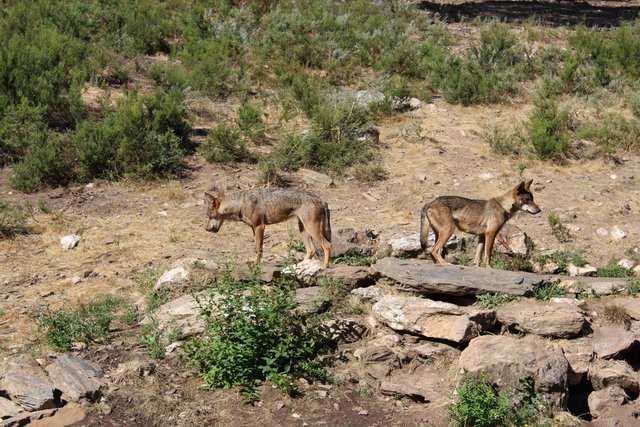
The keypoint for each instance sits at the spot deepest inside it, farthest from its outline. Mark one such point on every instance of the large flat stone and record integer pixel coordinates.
(76, 378)
(551, 319)
(432, 319)
(26, 384)
(8, 409)
(426, 278)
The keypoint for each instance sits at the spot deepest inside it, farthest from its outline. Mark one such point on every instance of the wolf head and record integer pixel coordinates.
(523, 198)
(213, 199)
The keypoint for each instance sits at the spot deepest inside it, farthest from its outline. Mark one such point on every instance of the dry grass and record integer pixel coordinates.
(617, 315)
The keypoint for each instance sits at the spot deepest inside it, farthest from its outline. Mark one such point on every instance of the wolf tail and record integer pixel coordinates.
(326, 222)
(424, 227)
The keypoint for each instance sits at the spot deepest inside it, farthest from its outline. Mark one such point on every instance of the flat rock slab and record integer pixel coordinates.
(421, 384)
(579, 353)
(426, 278)
(26, 384)
(8, 409)
(559, 320)
(507, 359)
(608, 373)
(351, 276)
(612, 342)
(76, 378)
(183, 312)
(312, 300)
(432, 319)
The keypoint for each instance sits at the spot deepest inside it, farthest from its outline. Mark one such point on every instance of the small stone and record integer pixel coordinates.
(336, 407)
(625, 263)
(279, 405)
(617, 233)
(613, 176)
(70, 241)
(487, 176)
(104, 408)
(322, 393)
(602, 232)
(75, 280)
(363, 412)
(587, 270)
(163, 213)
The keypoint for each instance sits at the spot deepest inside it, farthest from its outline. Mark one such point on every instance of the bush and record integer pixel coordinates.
(503, 142)
(49, 162)
(21, 126)
(558, 229)
(250, 122)
(488, 301)
(253, 333)
(88, 323)
(548, 129)
(546, 291)
(613, 132)
(13, 219)
(613, 270)
(479, 404)
(563, 259)
(224, 144)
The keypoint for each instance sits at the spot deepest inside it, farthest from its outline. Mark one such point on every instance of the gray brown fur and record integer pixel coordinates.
(483, 218)
(258, 208)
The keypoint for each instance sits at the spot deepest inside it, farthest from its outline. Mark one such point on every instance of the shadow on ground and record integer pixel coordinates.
(550, 13)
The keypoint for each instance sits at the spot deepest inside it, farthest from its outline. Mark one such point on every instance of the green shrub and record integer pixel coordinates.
(253, 333)
(613, 132)
(88, 323)
(563, 259)
(21, 126)
(13, 219)
(511, 262)
(548, 129)
(546, 291)
(503, 142)
(48, 162)
(224, 144)
(250, 122)
(357, 260)
(156, 338)
(613, 270)
(634, 285)
(478, 403)
(488, 301)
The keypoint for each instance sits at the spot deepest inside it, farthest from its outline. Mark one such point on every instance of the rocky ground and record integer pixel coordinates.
(400, 359)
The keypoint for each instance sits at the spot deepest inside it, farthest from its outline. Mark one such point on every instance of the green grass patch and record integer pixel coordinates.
(613, 270)
(13, 219)
(494, 300)
(354, 260)
(88, 323)
(546, 291)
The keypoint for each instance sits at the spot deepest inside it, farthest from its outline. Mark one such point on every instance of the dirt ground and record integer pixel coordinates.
(127, 226)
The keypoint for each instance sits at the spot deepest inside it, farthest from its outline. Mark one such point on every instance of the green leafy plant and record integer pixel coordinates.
(548, 129)
(558, 229)
(546, 291)
(494, 300)
(88, 323)
(355, 260)
(224, 144)
(478, 403)
(613, 270)
(253, 333)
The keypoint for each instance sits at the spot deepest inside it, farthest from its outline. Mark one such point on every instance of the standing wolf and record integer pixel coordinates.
(258, 208)
(483, 218)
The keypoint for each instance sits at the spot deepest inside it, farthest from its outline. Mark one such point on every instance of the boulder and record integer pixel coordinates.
(542, 318)
(349, 241)
(432, 319)
(431, 350)
(183, 312)
(607, 400)
(76, 378)
(617, 233)
(172, 278)
(512, 240)
(425, 278)
(377, 354)
(409, 246)
(69, 415)
(587, 270)
(352, 276)
(422, 384)
(26, 384)
(608, 373)
(311, 300)
(370, 293)
(316, 179)
(579, 354)
(308, 271)
(630, 304)
(8, 409)
(612, 342)
(592, 285)
(507, 359)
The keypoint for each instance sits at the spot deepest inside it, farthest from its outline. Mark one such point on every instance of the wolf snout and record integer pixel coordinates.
(212, 229)
(532, 209)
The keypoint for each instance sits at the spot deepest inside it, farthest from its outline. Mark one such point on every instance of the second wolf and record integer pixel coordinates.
(483, 218)
(258, 208)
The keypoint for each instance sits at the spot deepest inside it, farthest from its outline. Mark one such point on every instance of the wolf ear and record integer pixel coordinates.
(517, 189)
(209, 195)
(527, 184)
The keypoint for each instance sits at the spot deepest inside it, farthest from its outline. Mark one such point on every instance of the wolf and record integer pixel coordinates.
(260, 207)
(483, 218)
